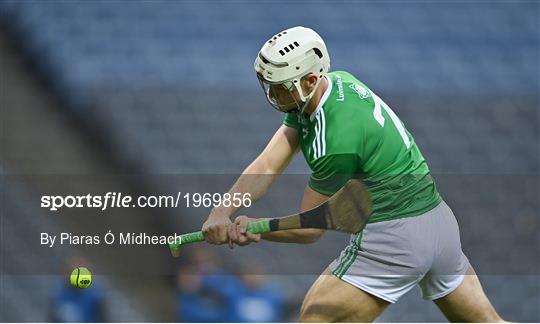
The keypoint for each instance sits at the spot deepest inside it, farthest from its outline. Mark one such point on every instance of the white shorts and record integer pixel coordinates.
(389, 258)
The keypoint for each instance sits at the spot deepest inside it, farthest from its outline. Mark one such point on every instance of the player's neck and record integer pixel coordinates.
(314, 102)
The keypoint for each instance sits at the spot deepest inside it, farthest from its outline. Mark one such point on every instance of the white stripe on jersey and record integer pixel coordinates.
(323, 133)
(316, 141)
(319, 142)
(314, 145)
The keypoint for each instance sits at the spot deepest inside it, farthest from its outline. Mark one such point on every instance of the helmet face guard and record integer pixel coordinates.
(286, 96)
(281, 95)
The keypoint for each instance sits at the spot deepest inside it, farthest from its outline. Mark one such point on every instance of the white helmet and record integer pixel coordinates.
(286, 58)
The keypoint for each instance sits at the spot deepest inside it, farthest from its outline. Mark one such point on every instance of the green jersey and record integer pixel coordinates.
(353, 133)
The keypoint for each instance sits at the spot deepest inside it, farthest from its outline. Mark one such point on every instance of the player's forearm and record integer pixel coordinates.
(261, 173)
(255, 181)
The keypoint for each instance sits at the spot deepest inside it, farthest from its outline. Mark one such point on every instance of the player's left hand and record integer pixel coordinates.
(238, 233)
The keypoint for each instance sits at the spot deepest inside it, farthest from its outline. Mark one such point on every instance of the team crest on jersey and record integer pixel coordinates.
(363, 93)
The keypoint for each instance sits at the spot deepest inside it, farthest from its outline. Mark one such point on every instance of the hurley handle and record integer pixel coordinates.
(257, 227)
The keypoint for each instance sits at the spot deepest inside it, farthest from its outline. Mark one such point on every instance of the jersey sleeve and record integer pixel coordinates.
(291, 120)
(331, 172)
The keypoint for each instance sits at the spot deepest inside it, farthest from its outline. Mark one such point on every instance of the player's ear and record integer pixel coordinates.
(313, 78)
(310, 80)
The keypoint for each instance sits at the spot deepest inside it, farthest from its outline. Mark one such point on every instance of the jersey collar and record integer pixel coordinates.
(323, 99)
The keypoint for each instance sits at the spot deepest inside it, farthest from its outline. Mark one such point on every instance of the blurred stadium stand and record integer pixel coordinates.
(168, 88)
(140, 64)
(37, 139)
(449, 47)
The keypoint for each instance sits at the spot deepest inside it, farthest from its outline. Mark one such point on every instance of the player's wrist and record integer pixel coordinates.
(221, 213)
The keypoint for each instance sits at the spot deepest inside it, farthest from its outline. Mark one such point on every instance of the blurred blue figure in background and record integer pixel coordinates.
(255, 299)
(70, 304)
(197, 301)
(207, 294)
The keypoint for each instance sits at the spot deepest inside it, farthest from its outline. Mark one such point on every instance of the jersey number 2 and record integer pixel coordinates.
(377, 113)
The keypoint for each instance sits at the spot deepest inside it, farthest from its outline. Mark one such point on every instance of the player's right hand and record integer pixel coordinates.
(215, 229)
(239, 234)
